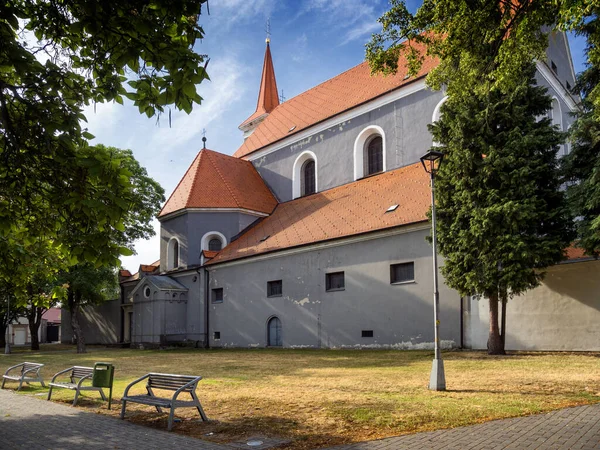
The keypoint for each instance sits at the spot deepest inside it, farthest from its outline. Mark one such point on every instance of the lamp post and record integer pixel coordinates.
(437, 382)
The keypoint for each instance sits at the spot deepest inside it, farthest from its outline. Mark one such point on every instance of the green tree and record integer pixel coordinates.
(582, 165)
(502, 218)
(139, 198)
(88, 285)
(87, 52)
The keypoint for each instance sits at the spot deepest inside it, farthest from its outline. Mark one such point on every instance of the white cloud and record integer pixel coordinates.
(361, 30)
(230, 12)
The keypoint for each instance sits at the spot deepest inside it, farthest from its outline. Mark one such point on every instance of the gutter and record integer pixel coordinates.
(206, 307)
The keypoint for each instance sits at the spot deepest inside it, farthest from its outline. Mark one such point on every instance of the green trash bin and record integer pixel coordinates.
(103, 378)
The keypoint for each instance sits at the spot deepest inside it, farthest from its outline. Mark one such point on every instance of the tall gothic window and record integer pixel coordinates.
(173, 254)
(374, 156)
(215, 245)
(308, 178)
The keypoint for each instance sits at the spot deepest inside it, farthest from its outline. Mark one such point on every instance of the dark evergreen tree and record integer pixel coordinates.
(502, 217)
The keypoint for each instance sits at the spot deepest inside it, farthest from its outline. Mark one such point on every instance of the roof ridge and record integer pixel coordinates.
(179, 184)
(225, 182)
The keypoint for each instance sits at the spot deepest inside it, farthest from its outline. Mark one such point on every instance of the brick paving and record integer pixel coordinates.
(34, 423)
(569, 428)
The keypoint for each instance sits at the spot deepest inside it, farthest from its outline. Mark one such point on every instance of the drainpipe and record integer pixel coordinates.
(206, 308)
(122, 301)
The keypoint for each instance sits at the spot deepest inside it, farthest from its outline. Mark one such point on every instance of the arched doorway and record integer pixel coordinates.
(274, 332)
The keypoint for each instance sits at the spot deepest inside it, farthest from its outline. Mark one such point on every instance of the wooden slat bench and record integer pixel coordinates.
(169, 382)
(77, 376)
(29, 373)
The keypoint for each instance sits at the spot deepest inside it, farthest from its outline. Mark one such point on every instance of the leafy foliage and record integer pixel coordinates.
(86, 52)
(501, 215)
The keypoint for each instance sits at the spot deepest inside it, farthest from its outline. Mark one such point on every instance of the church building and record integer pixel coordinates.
(313, 234)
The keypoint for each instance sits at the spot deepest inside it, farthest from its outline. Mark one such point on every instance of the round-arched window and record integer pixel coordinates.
(308, 178)
(374, 155)
(215, 245)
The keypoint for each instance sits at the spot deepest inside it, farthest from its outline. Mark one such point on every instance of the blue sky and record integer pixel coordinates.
(311, 41)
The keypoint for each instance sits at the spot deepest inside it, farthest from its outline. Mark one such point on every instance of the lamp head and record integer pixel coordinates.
(432, 160)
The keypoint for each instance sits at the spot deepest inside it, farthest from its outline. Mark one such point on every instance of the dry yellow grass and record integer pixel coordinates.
(320, 398)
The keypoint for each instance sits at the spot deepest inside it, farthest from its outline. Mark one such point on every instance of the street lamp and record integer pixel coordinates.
(432, 161)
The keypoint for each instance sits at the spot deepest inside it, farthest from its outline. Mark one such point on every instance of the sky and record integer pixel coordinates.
(311, 41)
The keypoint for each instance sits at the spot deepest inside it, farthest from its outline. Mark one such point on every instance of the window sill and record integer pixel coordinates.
(335, 290)
(403, 282)
(217, 302)
(274, 296)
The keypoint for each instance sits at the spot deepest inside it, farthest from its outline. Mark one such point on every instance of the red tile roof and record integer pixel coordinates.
(346, 210)
(147, 268)
(215, 180)
(342, 92)
(208, 254)
(124, 273)
(268, 97)
(576, 253)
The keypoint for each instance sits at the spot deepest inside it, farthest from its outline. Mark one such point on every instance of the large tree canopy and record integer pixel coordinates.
(83, 52)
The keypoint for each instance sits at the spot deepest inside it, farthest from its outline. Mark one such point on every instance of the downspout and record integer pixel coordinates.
(206, 308)
(122, 338)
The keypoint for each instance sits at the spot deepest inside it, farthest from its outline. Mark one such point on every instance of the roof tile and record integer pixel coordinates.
(346, 210)
(215, 180)
(334, 96)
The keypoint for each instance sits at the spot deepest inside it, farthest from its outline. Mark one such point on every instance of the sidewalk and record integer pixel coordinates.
(33, 423)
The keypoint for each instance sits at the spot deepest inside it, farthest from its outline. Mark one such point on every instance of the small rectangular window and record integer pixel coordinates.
(274, 288)
(334, 281)
(217, 335)
(554, 68)
(367, 333)
(402, 273)
(217, 295)
(568, 86)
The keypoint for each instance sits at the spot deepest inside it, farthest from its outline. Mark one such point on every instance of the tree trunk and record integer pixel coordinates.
(74, 300)
(494, 344)
(34, 317)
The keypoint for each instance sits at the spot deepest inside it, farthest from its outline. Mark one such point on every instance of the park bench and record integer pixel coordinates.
(169, 382)
(29, 373)
(77, 376)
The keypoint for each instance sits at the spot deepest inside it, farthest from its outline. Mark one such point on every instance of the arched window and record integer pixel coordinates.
(437, 114)
(274, 332)
(213, 241)
(305, 176)
(173, 254)
(215, 245)
(374, 155)
(308, 178)
(369, 152)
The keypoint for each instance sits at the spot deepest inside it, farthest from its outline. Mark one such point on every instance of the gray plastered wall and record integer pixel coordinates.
(191, 226)
(101, 324)
(401, 316)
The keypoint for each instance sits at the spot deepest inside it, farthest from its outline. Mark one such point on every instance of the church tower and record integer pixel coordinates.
(268, 98)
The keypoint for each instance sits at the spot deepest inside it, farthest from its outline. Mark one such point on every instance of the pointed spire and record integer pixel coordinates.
(268, 97)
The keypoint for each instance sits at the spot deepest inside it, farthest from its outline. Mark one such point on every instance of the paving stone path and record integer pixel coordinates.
(33, 423)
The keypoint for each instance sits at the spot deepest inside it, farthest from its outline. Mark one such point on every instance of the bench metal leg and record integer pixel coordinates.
(151, 393)
(199, 407)
(76, 397)
(20, 384)
(171, 414)
(42, 381)
(50, 393)
(3, 381)
(123, 409)
(102, 394)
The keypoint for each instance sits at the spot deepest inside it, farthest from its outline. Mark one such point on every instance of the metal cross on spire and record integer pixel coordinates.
(204, 137)
(268, 30)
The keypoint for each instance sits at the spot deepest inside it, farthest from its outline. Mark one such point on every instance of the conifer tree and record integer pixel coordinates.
(502, 217)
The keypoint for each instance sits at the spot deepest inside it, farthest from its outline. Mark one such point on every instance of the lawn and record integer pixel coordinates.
(319, 398)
